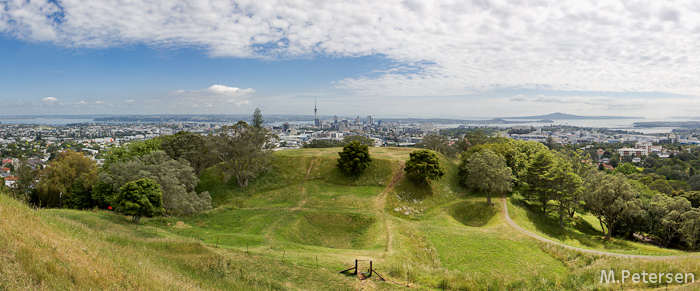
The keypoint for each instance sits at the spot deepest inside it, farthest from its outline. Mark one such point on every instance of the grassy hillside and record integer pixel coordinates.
(295, 227)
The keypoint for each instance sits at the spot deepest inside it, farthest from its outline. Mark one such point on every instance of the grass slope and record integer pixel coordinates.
(583, 232)
(295, 227)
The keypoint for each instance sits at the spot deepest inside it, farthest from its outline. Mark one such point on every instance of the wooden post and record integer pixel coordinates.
(355, 267)
(406, 278)
(370, 269)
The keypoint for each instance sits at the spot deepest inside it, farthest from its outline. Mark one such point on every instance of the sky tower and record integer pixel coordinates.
(317, 122)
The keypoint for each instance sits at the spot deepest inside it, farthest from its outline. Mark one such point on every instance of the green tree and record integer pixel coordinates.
(140, 198)
(564, 187)
(627, 169)
(609, 198)
(690, 228)
(358, 138)
(354, 158)
(486, 171)
(423, 166)
(477, 137)
(244, 150)
(131, 150)
(438, 143)
(323, 143)
(26, 180)
(666, 213)
(71, 175)
(694, 182)
(193, 148)
(258, 122)
(175, 177)
(539, 180)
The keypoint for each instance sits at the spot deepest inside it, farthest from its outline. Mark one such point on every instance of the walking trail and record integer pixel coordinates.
(601, 253)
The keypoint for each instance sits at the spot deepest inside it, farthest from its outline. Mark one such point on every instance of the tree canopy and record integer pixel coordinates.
(609, 198)
(423, 166)
(193, 148)
(244, 150)
(175, 178)
(486, 171)
(438, 143)
(140, 198)
(71, 175)
(354, 158)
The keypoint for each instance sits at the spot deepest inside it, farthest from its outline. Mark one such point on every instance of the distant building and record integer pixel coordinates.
(317, 122)
(641, 148)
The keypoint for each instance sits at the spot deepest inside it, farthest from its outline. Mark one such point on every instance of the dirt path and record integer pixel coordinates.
(302, 189)
(380, 203)
(601, 253)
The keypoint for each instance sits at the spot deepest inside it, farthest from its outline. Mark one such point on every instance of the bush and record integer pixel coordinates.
(354, 158)
(140, 198)
(424, 166)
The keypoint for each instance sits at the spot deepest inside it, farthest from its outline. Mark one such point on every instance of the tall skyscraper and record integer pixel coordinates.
(317, 122)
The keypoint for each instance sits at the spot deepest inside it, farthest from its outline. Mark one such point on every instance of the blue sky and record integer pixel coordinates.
(464, 59)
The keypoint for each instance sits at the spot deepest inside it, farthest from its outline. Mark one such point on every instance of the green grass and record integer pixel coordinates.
(272, 234)
(333, 230)
(583, 231)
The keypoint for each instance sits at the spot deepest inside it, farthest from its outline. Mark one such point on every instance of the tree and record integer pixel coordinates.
(71, 175)
(608, 198)
(131, 150)
(26, 178)
(564, 187)
(477, 137)
(193, 148)
(423, 166)
(323, 143)
(626, 169)
(176, 179)
(245, 150)
(690, 228)
(665, 213)
(361, 139)
(140, 198)
(258, 121)
(354, 158)
(694, 182)
(487, 172)
(551, 144)
(539, 180)
(438, 143)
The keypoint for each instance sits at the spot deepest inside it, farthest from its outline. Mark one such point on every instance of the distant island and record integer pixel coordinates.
(559, 116)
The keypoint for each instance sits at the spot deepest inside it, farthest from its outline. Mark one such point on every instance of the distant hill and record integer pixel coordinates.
(560, 115)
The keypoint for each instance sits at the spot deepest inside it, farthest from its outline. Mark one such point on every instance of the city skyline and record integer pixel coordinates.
(394, 58)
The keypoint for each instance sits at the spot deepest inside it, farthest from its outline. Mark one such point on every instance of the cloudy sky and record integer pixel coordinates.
(478, 58)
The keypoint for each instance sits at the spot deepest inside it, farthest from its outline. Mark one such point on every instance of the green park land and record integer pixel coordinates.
(297, 226)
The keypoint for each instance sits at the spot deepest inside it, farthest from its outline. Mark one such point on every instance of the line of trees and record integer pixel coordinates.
(172, 163)
(564, 181)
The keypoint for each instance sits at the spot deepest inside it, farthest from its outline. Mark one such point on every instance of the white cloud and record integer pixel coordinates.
(216, 95)
(440, 48)
(49, 100)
